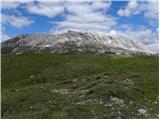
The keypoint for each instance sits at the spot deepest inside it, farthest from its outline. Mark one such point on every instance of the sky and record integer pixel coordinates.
(136, 19)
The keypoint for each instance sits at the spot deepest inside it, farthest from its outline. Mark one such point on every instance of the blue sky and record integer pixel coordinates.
(135, 19)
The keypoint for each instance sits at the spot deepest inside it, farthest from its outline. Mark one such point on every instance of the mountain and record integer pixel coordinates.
(41, 84)
(97, 42)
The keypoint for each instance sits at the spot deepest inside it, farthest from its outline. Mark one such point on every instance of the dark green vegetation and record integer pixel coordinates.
(46, 85)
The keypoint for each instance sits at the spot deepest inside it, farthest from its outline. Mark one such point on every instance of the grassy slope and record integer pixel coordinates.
(48, 85)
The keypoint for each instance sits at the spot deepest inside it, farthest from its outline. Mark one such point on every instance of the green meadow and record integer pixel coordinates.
(46, 85)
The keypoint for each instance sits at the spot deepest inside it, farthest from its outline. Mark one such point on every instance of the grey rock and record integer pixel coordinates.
(97, 42)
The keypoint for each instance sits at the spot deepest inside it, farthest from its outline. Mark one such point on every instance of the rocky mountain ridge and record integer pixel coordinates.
(96, 42)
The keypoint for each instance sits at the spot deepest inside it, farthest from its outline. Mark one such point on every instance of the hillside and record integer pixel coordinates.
(76, 85)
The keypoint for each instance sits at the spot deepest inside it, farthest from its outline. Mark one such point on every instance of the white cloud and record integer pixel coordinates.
(9, 5)
(3, 35)
(149, 7)
(152, 9)
(83, 26)
(154, 47)
(86, 16)
(113, 32)
(101, 5)
(16, 21)
(131, 8)
(49, 9)
(139, 33)
(146, 36)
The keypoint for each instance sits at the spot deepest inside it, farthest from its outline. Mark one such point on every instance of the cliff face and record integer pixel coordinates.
(97, 42)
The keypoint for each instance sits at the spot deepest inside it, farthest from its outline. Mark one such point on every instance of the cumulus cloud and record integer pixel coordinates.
(131, 8)
(16, 21)
(139, 33)
(82, 15)
(154, 47)
(3, 35)
(113, 32)
(9, 5)
(49, 9)
(101, 5)
(86, 16)
(150, 9)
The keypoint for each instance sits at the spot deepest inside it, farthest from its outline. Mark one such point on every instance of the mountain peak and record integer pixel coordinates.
(97, 42)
